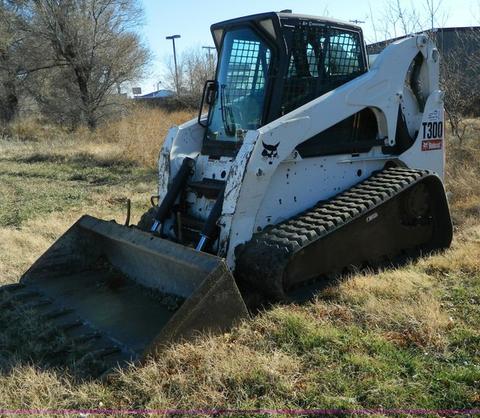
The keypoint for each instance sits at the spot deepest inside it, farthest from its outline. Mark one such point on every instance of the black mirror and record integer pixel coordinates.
(211, 92)
(208, 97)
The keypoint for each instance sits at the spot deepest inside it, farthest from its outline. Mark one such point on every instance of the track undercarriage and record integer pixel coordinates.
(397, 212)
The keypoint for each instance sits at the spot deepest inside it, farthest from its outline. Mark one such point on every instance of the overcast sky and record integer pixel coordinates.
(192, 19)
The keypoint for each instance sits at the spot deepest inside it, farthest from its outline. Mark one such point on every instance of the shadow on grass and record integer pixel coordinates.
(77, 167)
(41, 183)
(82, 159)
(308, 290)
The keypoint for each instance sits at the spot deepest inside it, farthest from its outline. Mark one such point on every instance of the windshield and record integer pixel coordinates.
(241, 77)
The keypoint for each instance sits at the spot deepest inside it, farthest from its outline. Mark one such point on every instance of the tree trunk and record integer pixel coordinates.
(9, 102)
(88, 112)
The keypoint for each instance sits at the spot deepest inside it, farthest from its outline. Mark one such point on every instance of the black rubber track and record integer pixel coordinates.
(337, 234)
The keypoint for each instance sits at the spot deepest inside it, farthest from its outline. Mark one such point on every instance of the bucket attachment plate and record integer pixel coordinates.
(127, 292)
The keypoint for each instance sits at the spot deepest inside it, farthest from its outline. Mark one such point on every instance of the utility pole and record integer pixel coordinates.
(173, 37)
(209, 48)
(210, 61)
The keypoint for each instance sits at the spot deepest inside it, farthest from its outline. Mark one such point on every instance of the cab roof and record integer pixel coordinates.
(284, 17)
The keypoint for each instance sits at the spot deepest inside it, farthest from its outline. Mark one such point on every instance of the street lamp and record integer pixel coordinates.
(173, 37)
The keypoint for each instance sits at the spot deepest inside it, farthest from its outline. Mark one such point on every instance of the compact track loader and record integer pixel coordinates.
(308, 163)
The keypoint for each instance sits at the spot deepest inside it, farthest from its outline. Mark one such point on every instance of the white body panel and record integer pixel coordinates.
(322, 177)
(263, 190)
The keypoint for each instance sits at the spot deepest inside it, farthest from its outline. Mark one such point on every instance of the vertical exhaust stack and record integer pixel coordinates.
(136, 292)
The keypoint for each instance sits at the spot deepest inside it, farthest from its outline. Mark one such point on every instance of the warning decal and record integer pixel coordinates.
(431, 144)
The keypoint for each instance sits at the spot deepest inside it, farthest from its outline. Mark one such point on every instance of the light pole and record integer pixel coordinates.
(173, 37)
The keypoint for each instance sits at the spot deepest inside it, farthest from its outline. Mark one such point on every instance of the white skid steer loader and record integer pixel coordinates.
(307, 164)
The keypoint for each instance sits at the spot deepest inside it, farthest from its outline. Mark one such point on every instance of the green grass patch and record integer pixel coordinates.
(38, 184)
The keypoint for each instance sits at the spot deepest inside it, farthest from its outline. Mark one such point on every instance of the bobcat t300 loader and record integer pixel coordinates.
(308, 163)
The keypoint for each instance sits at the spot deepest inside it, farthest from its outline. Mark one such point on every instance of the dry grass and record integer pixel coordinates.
(34, 129)
(462, 174)
(404, 338)
(137, 137)
(402, 303)
(141, 134)
(226, 373)
(463, 256)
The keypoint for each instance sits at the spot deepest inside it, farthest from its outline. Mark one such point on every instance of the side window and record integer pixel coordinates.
(306, 60)
(343, 54)
(292, 70)
(321, 59)
(312, 60)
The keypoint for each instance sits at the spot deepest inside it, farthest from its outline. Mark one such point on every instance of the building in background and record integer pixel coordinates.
(158, 98)
(447, 39)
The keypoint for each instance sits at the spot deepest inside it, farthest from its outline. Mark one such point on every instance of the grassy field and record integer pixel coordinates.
(406, 338)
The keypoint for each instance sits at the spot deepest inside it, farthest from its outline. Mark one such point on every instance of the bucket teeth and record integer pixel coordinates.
(100, 354)
(85, 338)
(69, 326)
(12, 288)
(24, 295)
(28, 294)
(57, 329)
(6, 304)
(108, 351)
(57, 313)
(39, 304)
(15, 298)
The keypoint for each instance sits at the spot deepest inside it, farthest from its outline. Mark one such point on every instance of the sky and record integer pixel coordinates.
(192, 19)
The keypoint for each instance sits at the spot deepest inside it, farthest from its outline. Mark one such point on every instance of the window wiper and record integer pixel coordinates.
(226, 113)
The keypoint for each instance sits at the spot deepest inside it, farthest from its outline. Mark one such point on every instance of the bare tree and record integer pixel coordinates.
(377, 37)
(94, 48)
(11, 58)
(460, 70)
(397, 18)
(195, 66)
(436, 16)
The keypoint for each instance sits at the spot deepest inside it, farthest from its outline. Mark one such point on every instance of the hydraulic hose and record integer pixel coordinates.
(177, 185)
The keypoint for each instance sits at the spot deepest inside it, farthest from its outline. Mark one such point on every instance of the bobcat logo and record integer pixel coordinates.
(269, 152)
